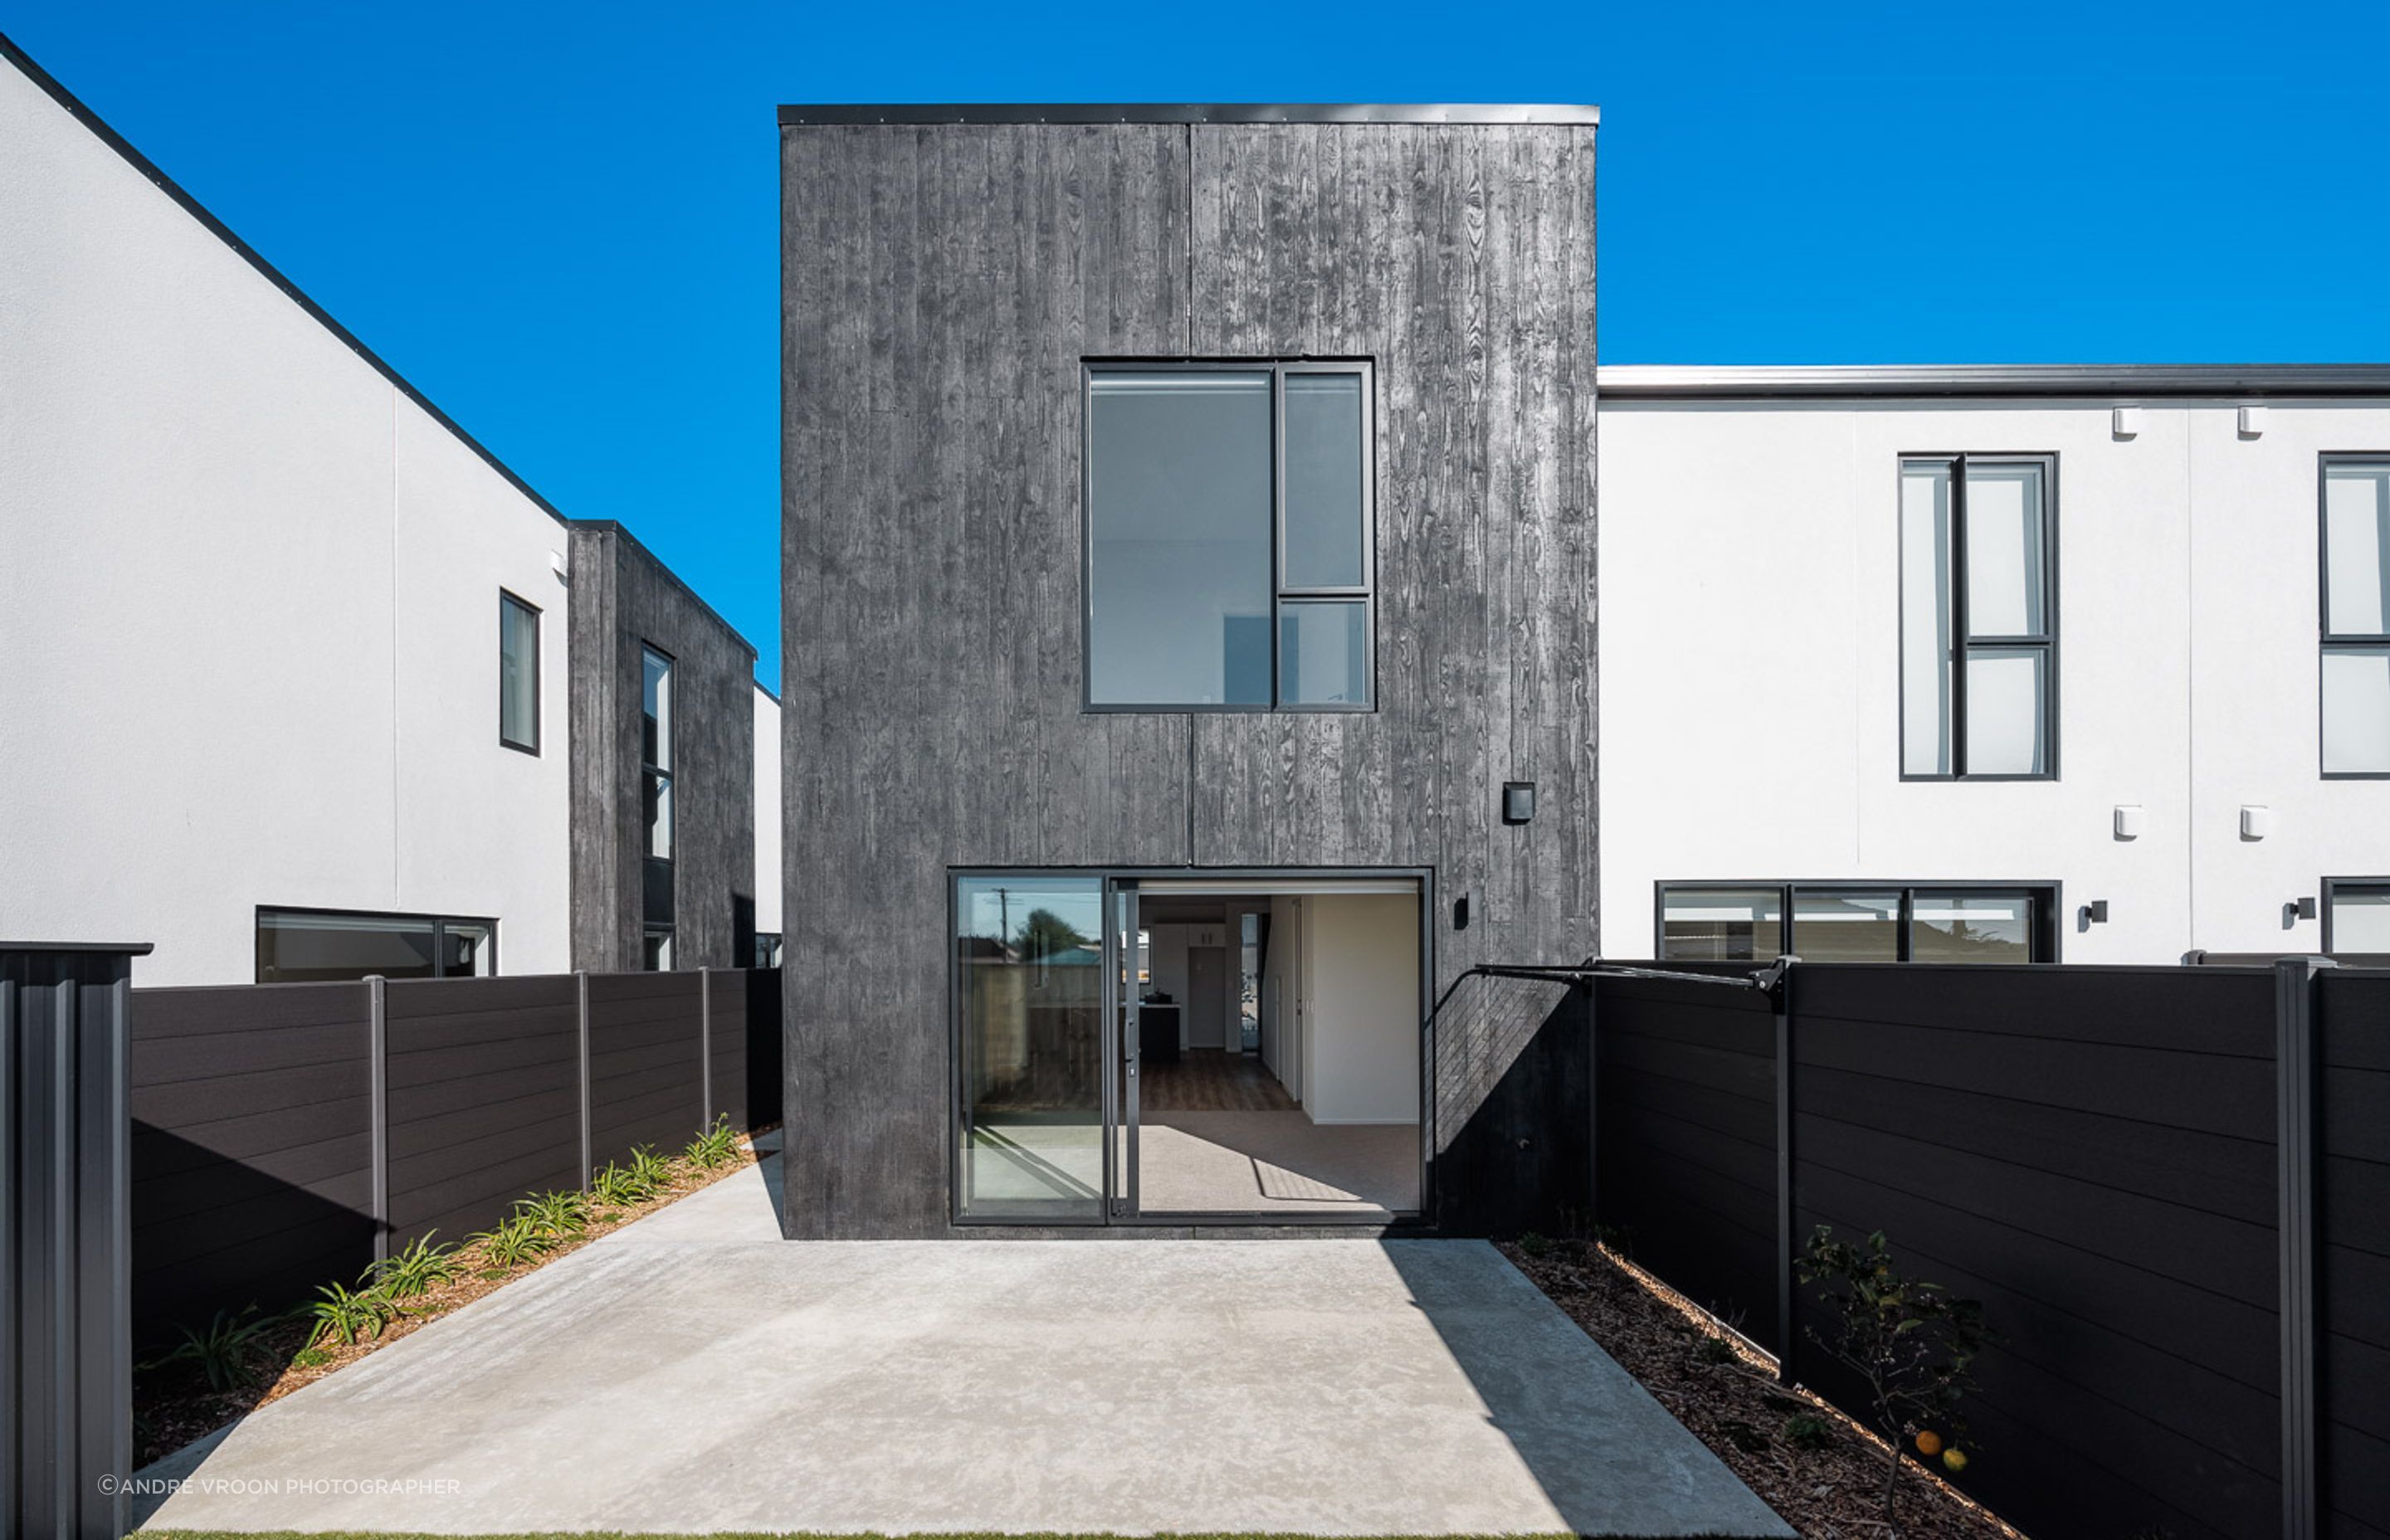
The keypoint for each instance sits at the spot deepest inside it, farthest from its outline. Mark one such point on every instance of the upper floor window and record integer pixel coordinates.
(1231, 550)
(518, 674)
(2356, 691)
(1978, 617)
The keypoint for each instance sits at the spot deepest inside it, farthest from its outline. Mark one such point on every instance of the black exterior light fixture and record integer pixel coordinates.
(2093, 913)
(1518, 802)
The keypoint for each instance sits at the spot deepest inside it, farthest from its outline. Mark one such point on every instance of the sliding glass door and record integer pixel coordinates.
(1031, 970)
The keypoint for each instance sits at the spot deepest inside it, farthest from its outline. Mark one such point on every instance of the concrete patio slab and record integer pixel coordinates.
(693, 1372)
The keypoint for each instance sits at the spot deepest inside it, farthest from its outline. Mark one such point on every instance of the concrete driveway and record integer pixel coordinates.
(694, 1372)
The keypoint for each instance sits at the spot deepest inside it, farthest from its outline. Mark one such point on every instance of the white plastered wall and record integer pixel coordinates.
(249, 594)
(1749, 670)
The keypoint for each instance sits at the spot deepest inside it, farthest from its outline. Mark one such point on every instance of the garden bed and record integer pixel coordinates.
(174, 1404)
(1822, 1474)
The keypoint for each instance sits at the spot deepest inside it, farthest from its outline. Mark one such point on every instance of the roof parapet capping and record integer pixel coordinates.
(1729, 382)
(926, 114)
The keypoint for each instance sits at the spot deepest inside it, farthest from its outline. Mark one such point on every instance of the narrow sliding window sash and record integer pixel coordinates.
(1978, 618)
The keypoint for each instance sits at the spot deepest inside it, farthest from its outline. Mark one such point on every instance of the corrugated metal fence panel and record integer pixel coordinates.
(252, 1148)
(1685, 1082)
(2353, 1209)
(2090, 1152)
(484, 1108)
(644, 1063)
(764, 1038)
(65, 1365)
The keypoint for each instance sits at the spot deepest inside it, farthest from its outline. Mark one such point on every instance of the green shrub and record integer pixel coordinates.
(1807, 1431)
(414, 1271)
(1709, 1347)
(311, 1358)
(1911, 1343)
(1534, 1244)
(513, 1242)
(225, 1350)
(717, 1147)
(559, 1214)
(651, 1171)
(344, 1314)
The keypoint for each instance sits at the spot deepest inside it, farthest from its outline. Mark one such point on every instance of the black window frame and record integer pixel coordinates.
(1281, 595)
(659, 874)
(538, 643)
(2328, 640)
(1961, 642)
(2332, 888)
(439, 924)
(2045, 945)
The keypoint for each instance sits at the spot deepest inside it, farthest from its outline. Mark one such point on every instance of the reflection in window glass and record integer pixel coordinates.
(656, 815)
(1721, 925)
(1324, 653)
(1325, 461)
(2004, 710)
(1847, 926)
(1971, 927)
(2359, 920)
(301, 947)
(2357, 549)
(1180, 490)
(2004, 557)
(656, 951)
(1925, 617)
(1029, 972)
(518, 674)
(2357, 710)
(655, 709)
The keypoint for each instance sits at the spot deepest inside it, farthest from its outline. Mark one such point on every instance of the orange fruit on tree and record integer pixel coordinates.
(1929, 1443)
(1953, 1461)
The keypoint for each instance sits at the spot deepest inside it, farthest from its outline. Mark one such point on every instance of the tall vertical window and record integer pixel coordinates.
(2355, 684)
(1230, 550)
(518, 674)
(1978, 617)
(656, 807)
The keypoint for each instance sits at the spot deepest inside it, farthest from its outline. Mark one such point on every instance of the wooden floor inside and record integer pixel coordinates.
(1210, 1080)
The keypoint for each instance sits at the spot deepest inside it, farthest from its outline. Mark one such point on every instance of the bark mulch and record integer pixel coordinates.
(174, 1404)
(1725, 1391)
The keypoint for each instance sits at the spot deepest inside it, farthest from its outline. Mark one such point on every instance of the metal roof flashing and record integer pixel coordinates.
(926, 114)
(1991, 382)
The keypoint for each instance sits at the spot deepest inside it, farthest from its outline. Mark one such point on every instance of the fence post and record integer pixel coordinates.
(377, 1040)
(1784, 1329)
(2295, 1089)
(66, 1374)
(581, 979)
(704, 1051)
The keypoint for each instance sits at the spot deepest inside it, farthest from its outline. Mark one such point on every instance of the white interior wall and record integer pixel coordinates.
(249, 593)
(1750, 671)
(1363, 1065)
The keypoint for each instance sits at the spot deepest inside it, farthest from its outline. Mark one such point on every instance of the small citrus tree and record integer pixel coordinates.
(1911, 1343)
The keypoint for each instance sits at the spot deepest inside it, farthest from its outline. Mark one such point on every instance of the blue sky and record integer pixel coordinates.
(559, 221)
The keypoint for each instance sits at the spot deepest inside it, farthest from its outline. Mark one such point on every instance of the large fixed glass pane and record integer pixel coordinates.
(1029, 972)
(1721, 924)
(304, 948)
(2357, 710)
(2006, 564)
(1324, 653)
(1327, 463)
(2360, 920)
(656, 815)
(1847, 926)
(1964, 928)
(1925, 617)
(2005, 716)
(2357, 549)
(518, 672)
(655, 709)
(1179, 495)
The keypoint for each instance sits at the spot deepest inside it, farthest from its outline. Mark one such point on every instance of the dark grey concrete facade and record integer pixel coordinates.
(943, 287)
(622, 599)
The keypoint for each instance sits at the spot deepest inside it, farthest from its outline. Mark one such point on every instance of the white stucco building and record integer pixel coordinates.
(2162, 719)
(290, 668)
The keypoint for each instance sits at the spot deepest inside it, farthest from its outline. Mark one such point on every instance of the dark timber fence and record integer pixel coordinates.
(65, 1370)
(284, 1136)
(2164, 1184)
